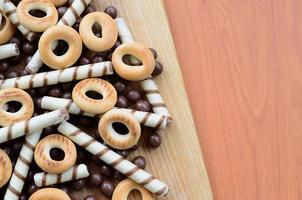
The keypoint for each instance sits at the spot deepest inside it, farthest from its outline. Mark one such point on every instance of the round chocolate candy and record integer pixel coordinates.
(107, 188)
(133, 95)
(154, 140)
(142, 105)
(140, 161)
(158, 69)
(122, 102)
(111, 10)
(95, 179)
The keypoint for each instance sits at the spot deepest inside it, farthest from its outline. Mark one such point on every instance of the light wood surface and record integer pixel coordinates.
(241, 62)
(178, 161)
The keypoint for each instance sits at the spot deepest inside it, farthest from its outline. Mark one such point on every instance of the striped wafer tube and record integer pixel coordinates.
(21, 169)
(69, 18)
(145, 118)
(77, 172)
(148, 85)
(115, 160)
(32, 125)
(1, 10)
(58, 76)
(8, 50)
(155, 99)
(10, 11)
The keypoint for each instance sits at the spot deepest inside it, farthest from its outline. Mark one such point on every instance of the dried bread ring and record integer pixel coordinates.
(55, 33)
(133, 73)
(18, 95)
(7, 30)
(95, 106)
(109, 31)
(122, 137)
(49, 194)
(5, 168)
(123, 189)
(44, 160)
(58, 3)
(37, 24)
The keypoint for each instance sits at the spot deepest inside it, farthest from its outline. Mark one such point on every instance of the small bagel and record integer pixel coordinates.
(7, 30)
(42, 154)
(112, 137)
(5, 168)
(109, 31)
(37, 24)
(133, 73)
(18, 95)
(58, 3)
(55, 33)
(95, 106)
(49, 194)
(123, 189)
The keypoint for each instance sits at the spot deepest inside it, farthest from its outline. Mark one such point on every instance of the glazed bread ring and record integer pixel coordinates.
(7, 30)
(37, 24)
(123, 189)
(5, 168)
(44, 160)
(133, 73)
(55, 33)
(115, 135)
(58, 3)
(18, 95)
(95, 106)
(49, 194)
(109, 31)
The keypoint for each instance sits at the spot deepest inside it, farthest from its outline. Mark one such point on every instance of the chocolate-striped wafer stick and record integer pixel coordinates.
(8, 50)
(77, 172)
(32, 125)
(58, 76)
(18, 178)
(1, 10)
(69, 18)
(148, 85)
(10, 11)
(145, 118)
(115, 160)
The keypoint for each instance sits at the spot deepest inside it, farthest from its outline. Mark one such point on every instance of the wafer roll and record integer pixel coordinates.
(8, 50)
(145, 118)
(69, 18)
(78, 172)
(32, 125)
(152, 93)
(18, 178)
(10, 11)
(148, 85)
(1, 10)
(58, 76)
(115, 160)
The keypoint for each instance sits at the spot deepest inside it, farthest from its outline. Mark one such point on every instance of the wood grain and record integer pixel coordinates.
(241, 61)
(178, 161)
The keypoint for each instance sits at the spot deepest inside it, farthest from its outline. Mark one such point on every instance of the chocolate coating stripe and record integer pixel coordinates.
(9, 13)
(162, 192)
(19, 175)
(74, 12)
(21, 158)
(74, 134)
(13, 190)
(74, 173)
(44, 180)
(159, 123)
(59, 178)
(145, 118)
(155, 91)
(64, 21)
(9, 133)
(158, 104)
(102, 152)
(84, 3)
(28, 145)
(115, 160)
(86, 144)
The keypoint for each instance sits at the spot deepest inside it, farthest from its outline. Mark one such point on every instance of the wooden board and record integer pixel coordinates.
(179, 160)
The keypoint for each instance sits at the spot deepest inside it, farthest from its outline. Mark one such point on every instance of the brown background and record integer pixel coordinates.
(242, 64)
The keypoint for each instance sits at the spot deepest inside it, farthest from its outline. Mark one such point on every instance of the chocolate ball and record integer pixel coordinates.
(32, 92)
(66, 86)
(106, 170)
(95, 179)
(120, 86)
(23, 197)
(133, 95)
(118, 175)
(140, 161)
(23, 72)
(32, 189)
(78, 184)
(111, 10)
(76, 26)
(84, 61)
(4, 65)
(67, 95)
(89, 9)
(122, 102)
(135, 147)
(117, 44)
(107, 188)
(62, 10)
(154, 140)
(42, 91)
(65, 189)
(12, 74)
(154, 52)
(38, 103)
(142, 105)
(16, 40)
(15, 59)
(85, 121)
(70, 2)
(49, 130)
(90, 197)
(109, 56)
(55, 92)
(158, 69)
(28, 48)
(97, 59)
(81, 156)
(123, 153)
